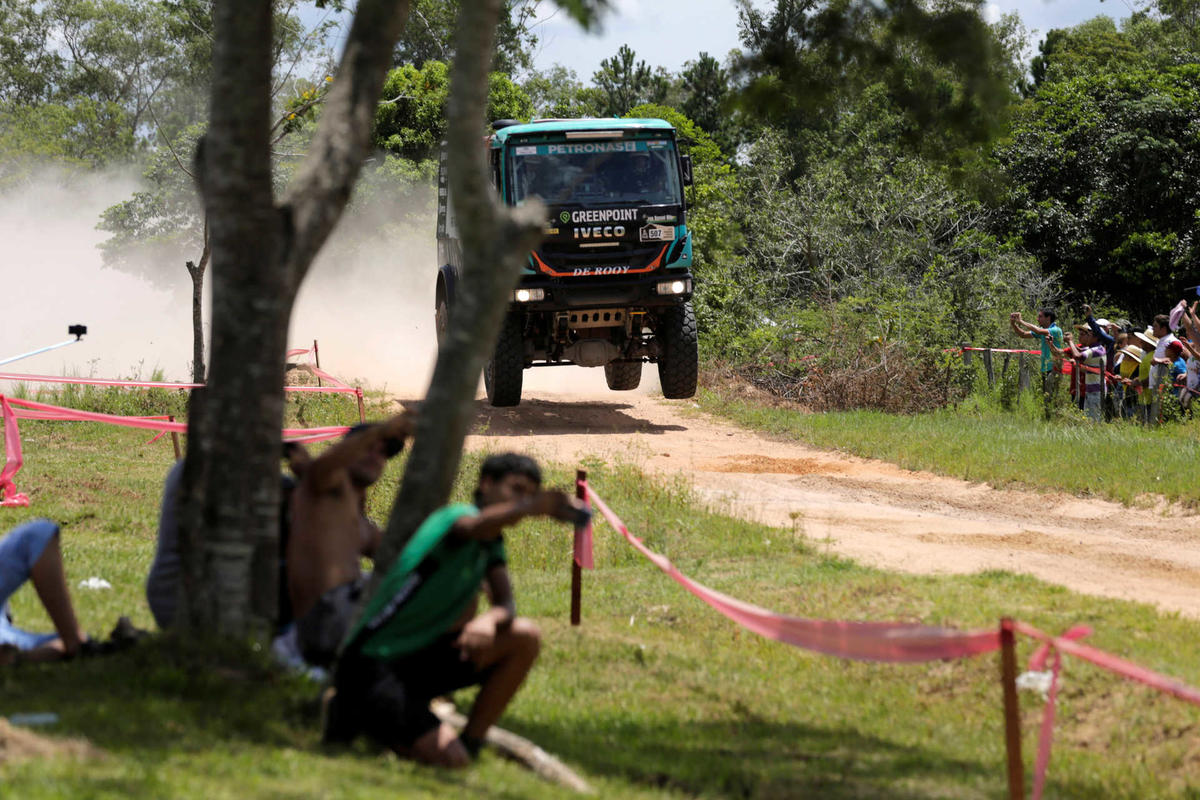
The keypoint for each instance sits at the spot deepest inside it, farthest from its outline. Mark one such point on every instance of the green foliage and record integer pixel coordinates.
(410, 121)
(707, 94)
(1090, 47)
(1103, 185)
(713, 203)
(162, 223)
(627, 82)
(80, 133)
(948, 73)
(556, 93)
(429, 35)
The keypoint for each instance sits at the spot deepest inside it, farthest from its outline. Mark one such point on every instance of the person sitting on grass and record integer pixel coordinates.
(331, 533)
(419, 636)
(31, 552)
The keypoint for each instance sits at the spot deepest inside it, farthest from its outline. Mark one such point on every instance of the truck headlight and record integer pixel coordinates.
(677, 286)
(528, 295)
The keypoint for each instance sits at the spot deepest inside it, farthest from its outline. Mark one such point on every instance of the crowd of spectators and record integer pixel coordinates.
(1115, 369)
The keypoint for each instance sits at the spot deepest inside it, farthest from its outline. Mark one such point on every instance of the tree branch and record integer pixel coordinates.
(318, 195)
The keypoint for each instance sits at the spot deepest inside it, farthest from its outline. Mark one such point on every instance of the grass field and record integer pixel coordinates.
(654, 696)
(980, 441)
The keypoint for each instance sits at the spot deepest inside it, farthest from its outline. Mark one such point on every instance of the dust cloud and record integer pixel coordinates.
(368, 299)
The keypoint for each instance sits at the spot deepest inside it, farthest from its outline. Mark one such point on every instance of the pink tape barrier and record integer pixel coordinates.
(1037, 663)
(862, 641)
(29, 409)
(335, 387)
(12, 458)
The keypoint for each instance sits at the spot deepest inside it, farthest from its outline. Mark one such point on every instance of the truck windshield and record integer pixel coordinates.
(596, 173)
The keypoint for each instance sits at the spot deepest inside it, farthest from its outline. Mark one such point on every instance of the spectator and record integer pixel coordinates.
(1105, 333)
(1129, 359)
(1145, 394)
(1050, 337)
(1160, 368)
(331, 534)
(1089, 358)
(31, 552)
(419, 636)
(1191, 387)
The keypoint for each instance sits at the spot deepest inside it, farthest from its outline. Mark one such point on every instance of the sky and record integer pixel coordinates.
(668, 33)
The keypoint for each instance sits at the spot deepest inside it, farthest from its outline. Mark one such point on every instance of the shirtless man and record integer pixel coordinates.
(331, 532)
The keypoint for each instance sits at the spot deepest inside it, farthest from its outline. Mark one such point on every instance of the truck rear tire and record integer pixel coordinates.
(441, 319)
(678, 357)
(623, 376)
(502, 375)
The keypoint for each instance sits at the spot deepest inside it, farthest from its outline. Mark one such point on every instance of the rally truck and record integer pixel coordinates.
(610, 285)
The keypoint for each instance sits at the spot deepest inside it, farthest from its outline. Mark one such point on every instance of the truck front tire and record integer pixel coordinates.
(503, 373)
(623, 376)
(678, 358)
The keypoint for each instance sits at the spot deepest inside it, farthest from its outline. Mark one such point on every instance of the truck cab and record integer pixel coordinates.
(610, 285)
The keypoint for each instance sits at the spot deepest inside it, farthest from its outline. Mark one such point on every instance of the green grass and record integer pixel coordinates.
(654, 696)
(979, 441)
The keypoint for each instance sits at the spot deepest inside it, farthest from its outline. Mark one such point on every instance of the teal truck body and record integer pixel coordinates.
(610, 285)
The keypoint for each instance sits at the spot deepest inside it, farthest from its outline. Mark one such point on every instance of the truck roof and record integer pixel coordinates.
(586, 124)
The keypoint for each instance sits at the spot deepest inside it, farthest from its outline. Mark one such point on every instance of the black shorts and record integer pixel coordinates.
(319, 633)
(389, 700)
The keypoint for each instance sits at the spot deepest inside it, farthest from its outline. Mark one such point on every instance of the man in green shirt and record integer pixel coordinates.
(420, 637)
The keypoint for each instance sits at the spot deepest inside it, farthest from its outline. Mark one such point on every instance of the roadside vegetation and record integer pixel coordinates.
(654, 696)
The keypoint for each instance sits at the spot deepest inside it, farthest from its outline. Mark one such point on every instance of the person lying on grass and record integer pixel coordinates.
(330, 532)
(419, 637)
(30, 552)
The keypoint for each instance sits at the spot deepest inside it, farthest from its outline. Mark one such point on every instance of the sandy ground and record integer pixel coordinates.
(869, 510)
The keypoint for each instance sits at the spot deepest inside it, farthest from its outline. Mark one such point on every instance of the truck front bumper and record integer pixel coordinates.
(641, 291)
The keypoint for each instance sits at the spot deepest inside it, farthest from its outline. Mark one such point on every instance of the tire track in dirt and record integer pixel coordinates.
(871, 511)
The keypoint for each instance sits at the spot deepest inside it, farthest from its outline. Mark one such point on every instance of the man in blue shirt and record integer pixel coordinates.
(1051, 338)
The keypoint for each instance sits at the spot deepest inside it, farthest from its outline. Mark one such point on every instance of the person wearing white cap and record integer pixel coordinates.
(1160, 366)
(1104, 331)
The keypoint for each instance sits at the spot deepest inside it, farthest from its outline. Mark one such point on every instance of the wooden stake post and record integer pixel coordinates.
(576, 572)
(175, 440)
(317, 358)
(1012, 710)
(362, 414)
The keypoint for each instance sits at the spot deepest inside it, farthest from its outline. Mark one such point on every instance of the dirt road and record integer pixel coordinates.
(869, 510)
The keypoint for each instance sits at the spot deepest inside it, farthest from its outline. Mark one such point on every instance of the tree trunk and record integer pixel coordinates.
(232, 497)
(196, 271)
(495, 241)
(260, 255)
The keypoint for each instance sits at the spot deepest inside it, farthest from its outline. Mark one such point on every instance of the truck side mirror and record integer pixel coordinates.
(685, 162)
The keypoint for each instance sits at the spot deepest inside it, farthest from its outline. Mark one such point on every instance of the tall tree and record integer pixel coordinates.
(557, 93)
(261, 251)
(429, 34)
(946, 70)
(1102, 169)
(706, 90)
(628, 82)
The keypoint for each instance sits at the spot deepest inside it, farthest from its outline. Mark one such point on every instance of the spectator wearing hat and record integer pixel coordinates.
(1089, 358)
(1145, 399)
(1051, 339)
(1125, 366)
